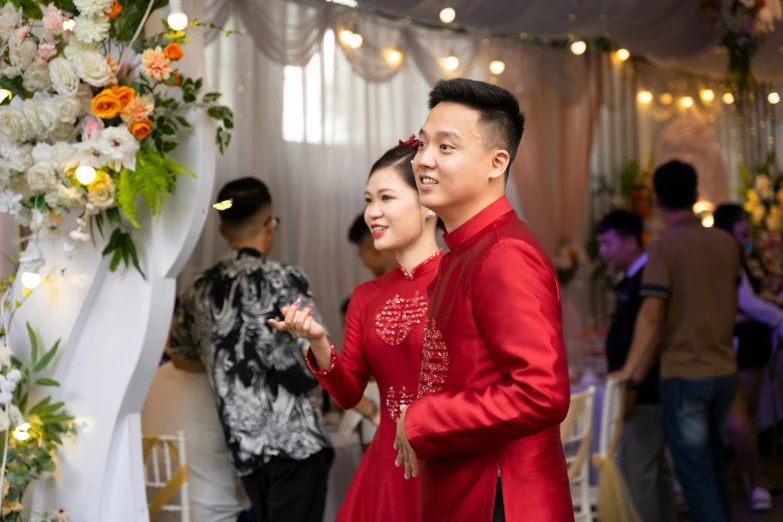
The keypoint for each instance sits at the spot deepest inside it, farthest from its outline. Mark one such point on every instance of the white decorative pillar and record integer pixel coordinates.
(113, 328)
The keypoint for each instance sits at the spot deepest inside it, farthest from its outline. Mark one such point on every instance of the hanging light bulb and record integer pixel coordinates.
(447, 15)
(707, 220)
(177, 19)
(578, 47)
(686, 101)
(5, 94)
(393, 56)
(451, 63)
(21, 432)
(645, 97)
(667, 98)
(85, 175)
(497, 67)
(622, 54)
(773, 98)
(345, 36)
(356, 41)
(707, 95)
(31, 280)
(728, 98)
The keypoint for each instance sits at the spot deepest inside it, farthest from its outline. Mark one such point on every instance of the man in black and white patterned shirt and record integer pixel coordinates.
(274, 432)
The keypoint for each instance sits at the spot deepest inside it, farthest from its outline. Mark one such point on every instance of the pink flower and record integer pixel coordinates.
(22, 33)
(53, 19)
(46, 50)
(140, 108)
(91, 127)
(113, 64)
(154, 65)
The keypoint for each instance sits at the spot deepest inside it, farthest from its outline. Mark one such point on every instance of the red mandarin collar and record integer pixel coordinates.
(425, 267)
(477, 223)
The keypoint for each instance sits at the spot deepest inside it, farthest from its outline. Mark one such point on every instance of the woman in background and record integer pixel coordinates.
(757, 319)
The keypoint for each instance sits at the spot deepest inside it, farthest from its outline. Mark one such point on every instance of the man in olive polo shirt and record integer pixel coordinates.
(690, 290)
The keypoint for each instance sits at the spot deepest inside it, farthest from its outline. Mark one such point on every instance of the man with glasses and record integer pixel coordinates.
(276, 440)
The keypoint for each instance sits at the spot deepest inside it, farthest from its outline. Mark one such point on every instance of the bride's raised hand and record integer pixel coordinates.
(299, 323)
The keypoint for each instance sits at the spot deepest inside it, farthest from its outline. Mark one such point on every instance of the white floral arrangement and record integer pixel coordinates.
(89, 113)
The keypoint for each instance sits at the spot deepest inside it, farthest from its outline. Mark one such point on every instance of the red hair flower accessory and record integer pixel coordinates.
(411, 142)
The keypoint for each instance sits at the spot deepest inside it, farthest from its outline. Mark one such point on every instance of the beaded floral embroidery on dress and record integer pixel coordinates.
(434, 361)
(396, 399)
(399, 317)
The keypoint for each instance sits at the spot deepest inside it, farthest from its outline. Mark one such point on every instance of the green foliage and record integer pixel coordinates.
(628, 178)
(122, 248)
(49, 424)
(30, 8)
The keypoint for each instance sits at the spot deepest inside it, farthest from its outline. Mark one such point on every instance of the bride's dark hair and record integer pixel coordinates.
(400, 157)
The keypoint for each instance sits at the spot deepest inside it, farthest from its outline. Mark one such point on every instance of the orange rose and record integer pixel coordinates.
(173, 52)
(106, 105)
(174, 80)
(124, 94)
(114, 11)
(141, 129)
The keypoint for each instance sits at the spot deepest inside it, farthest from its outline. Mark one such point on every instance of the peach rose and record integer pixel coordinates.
(106, 105)
(173, 52)
(141, 129)
(174, 80)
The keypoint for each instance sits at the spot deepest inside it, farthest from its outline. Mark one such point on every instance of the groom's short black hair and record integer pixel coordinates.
(498, 109)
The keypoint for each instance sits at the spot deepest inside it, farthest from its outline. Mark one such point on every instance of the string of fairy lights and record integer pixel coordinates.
(351, 38)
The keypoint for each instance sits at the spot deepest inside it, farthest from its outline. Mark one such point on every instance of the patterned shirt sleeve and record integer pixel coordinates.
(181, 342)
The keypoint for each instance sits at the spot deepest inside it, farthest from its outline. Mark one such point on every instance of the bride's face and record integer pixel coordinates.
(393, 212)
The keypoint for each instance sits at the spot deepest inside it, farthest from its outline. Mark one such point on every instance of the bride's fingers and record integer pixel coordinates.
(290, 314)
(308, 323)
(280, 327)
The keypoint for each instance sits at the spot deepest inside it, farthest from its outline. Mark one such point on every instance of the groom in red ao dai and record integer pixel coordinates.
(484, 433)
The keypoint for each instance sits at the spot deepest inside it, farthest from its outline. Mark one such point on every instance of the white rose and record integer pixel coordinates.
(13, 123)
(92, 7)
(10, 17)
(64, 78)
(32, 111)
(41, 177)
(63, 154)
(102, 192)
(42, 152)
(36, 78)
(91, 67)
(62, 132)
(24, 54)
(68, 108)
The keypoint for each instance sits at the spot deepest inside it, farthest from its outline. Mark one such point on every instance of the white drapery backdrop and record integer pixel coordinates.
(310, 126)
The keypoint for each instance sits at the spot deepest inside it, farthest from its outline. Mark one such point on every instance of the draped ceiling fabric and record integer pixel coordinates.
(672, 33)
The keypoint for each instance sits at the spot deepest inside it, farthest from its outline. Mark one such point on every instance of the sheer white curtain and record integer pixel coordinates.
(311, 134)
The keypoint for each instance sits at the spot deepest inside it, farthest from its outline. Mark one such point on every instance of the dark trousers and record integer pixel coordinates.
(285, 490)
(499, 513)
(694, 413)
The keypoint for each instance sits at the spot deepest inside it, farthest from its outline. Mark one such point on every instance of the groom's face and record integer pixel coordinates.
(453, 162)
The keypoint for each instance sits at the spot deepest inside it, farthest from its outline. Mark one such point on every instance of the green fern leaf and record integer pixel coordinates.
(126, 195)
